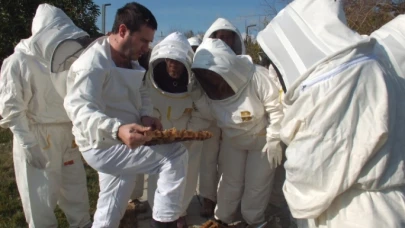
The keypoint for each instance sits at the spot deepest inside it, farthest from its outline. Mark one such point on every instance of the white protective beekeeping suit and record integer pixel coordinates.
(175, 109)
(64, 55)
(208, 179)
(194, 41)
(47, 162)
(391, 40)
(102, 97)
(343, 123)
(224, 24)
(249, 121)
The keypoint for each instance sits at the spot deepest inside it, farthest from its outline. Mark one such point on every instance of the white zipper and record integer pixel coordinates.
(309, 83)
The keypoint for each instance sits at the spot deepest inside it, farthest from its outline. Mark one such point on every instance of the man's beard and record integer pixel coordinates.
(129, 52)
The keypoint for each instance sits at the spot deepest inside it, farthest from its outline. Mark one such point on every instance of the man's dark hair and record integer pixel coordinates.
(133, 15)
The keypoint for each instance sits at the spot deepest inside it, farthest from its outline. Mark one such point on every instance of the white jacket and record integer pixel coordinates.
(391, 38)
(344, 121)
(27, 95)
(224, 24)
(255, 105)
(173, 109)
(101, 97)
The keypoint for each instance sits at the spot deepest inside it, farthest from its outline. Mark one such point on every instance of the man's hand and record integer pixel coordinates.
(132, 135)
(152, 122)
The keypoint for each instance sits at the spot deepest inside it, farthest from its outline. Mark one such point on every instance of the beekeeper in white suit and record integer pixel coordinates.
(344, 120)
(136, 202)
(223, 29)
(168, 78)
(391, 42)
(245, 103)
(111, 111)
(194, 42)
(47, 162)
(209, 176)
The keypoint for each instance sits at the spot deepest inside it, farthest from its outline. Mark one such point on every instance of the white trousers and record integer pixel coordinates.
(209, 176)
(194, 155)
(63, 182)
(360, 208)
(246, 180)
(118, 167)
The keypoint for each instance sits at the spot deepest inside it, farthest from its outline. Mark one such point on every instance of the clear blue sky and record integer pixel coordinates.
(194, 15)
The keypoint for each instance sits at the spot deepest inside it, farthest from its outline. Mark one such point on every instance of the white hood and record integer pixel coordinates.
(50, 26)
(174, 46)
(224, 24)
(392, 38)
(194, 41)
(304, 33)
(216, 56)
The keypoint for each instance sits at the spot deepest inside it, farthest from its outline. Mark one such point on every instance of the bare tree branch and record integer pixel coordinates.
(272, 7)
(363, 16)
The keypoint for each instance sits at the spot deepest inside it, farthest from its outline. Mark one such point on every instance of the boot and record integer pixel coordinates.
(281, 216)
(157, 224)
(181, 222)
(207, 211)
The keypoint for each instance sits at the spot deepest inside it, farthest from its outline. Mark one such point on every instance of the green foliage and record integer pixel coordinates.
(5, 135)
(253, 49)
(16, 19)
(11, 212)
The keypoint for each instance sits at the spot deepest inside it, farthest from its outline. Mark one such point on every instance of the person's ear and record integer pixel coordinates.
(122, 30)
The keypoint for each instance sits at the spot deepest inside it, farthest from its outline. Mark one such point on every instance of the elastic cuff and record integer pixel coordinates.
(115, 128)
(146, 112)
(165, 219)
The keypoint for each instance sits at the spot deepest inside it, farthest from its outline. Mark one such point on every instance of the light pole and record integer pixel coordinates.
(103, 6)
(247, 31)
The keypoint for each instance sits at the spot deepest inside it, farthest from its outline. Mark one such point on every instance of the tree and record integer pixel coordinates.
(272, 7)
(16, 18)
(189, 33)
(365, 16)
(253, 49)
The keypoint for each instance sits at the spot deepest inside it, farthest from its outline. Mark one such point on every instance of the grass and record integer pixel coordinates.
(11, 212)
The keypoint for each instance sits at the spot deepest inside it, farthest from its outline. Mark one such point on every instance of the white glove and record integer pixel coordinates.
(274, 152)
(35, 157)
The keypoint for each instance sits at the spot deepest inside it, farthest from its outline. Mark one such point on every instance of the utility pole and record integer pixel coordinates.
(247, 31)
(103, 7)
